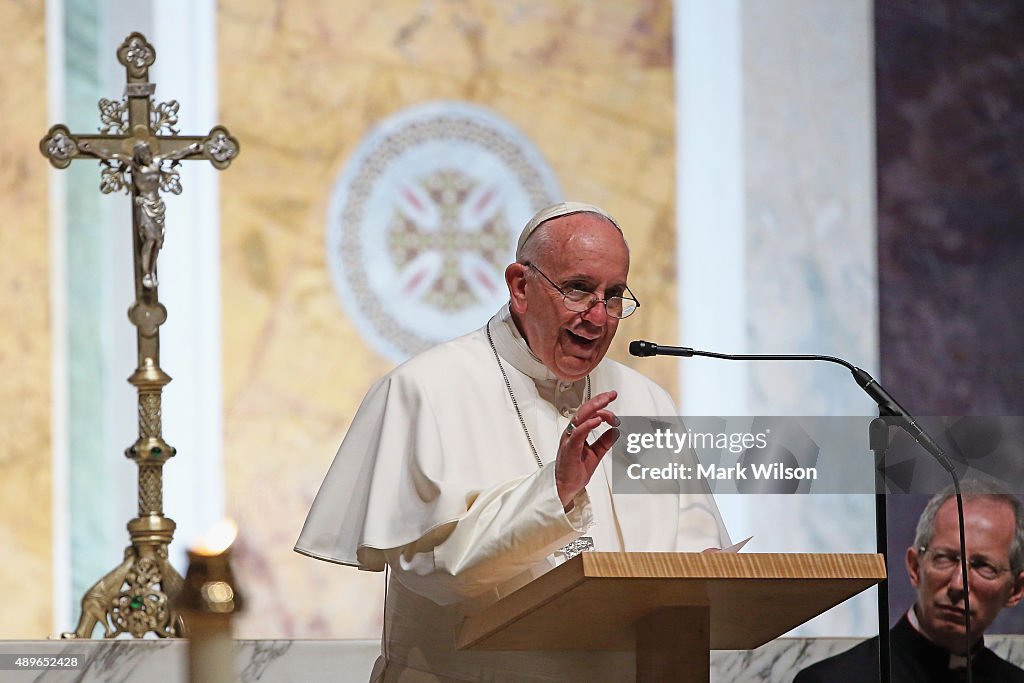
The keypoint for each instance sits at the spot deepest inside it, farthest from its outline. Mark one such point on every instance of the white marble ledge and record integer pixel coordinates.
(165, 661)
(780, 660)
(345, 661)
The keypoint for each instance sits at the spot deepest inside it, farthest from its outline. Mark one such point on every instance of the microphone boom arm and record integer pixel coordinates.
(887, 405)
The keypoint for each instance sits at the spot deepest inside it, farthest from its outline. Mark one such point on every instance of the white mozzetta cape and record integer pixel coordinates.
(435, 478)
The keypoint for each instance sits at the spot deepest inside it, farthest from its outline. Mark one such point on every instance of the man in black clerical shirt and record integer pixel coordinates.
(928, 643)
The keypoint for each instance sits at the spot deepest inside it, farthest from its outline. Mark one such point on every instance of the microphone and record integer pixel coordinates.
(645, 348)
(887, 405)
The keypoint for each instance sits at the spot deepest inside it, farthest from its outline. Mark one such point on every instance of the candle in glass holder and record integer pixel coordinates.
(207, 603)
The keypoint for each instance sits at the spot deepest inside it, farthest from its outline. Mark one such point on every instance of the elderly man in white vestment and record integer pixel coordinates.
(480, 464)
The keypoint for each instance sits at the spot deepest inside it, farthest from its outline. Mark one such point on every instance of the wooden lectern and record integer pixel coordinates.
(672, 608)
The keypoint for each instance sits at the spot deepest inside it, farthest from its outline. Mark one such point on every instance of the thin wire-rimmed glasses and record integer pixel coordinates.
(580, 301)
(948, 561)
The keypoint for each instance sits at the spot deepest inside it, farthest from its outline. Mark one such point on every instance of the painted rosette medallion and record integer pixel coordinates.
(423, 219)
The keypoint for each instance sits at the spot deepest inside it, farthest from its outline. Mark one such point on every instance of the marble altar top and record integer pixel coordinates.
(286, 661)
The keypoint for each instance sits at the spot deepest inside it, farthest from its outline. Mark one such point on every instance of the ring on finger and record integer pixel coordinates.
(570, 428)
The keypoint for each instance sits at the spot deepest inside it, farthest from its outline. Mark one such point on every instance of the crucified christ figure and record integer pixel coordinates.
(146, 169)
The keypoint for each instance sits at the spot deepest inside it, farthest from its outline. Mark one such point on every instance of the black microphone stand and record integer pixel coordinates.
(891, 413)
(878, 432)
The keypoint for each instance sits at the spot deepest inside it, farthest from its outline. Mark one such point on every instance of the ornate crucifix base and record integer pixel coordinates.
(138, 596)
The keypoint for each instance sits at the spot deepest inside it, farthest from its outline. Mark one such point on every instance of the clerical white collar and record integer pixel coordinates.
(513, 348)
(912, 618)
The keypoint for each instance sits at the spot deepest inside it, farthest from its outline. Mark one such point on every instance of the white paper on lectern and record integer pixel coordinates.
(735, 548)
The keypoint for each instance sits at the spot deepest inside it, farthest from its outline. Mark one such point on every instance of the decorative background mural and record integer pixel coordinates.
(423, 219)
(26, 522)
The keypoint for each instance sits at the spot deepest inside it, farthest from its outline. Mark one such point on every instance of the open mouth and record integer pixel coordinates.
(580, 340)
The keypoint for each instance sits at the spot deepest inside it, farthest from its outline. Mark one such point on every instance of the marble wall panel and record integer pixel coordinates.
(808, 169)
(810, 202)
(950, 118)
(25, 514)
(301, 83)
(951, 249)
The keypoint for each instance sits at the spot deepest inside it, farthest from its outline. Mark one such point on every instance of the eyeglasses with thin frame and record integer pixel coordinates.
(949, 561)
(581, 301)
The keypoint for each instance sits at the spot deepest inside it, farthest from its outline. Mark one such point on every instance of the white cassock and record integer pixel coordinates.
(436, 480)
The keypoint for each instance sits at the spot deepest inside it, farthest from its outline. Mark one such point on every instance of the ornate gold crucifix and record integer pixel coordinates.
(139, 150)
